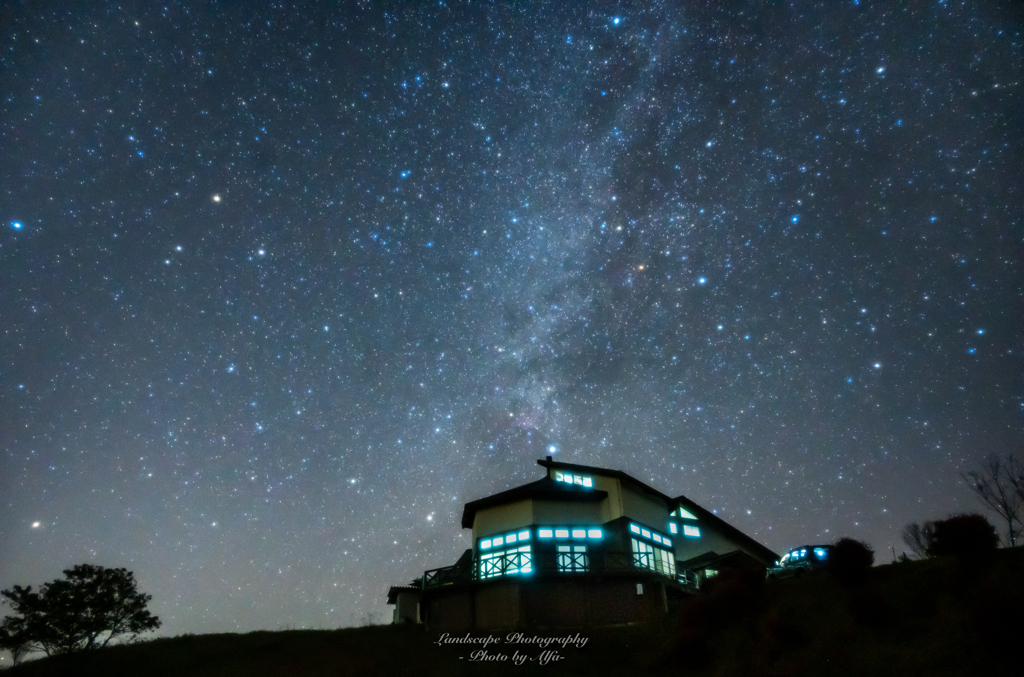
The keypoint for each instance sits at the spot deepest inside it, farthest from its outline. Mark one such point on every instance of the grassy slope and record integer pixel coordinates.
(916, 618)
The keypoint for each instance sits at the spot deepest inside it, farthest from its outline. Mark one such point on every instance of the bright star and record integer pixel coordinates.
(216, 198)
(16, 225)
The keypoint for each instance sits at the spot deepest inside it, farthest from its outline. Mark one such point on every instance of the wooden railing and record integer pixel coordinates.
(504, 564)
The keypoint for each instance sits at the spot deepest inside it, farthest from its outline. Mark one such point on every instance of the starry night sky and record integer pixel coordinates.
(282, 288)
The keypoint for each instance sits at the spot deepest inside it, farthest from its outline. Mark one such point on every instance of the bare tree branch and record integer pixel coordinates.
(999, 483)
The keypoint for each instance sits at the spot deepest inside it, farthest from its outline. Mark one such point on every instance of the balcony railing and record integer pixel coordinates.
(514, 563)
(446, 576)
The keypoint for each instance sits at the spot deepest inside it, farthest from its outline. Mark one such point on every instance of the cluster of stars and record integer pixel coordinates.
(773, 272)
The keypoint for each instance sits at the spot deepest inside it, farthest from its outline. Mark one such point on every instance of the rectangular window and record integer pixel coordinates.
(579, 480)
(524, 535)
(573, 558)
(643, 554)
(579, 533)
(561, 533)
(545, 533)
(693, 532)
(594, 533)
(646, 556)
(512, 561)
(666, 562)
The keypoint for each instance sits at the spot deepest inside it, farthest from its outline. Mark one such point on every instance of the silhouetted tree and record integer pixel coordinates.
(918, 537)
(963, 536)
(14, 638)
(86, 609)
(999, 483)
(849, 560)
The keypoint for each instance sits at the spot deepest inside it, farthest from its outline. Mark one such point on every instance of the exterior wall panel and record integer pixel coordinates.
(495, 520)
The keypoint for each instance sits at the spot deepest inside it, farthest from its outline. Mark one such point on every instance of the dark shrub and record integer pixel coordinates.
(965, 536)
(850, 560)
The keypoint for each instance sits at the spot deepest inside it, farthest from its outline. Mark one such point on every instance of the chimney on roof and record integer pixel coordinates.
(549, 458)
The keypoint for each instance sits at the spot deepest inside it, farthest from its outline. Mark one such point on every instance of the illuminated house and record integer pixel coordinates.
(581, 546)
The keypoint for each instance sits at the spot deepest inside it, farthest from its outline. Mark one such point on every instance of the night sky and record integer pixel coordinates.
(282, 288)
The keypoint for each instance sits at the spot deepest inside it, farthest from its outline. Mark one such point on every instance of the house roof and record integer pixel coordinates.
(545, 488)
(755, 548)
(395, 590)
(701, 513)
(734, 558)
(552, 490)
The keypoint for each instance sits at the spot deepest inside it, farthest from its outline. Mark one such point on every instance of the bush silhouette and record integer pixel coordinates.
(849, 560)
(964, 536)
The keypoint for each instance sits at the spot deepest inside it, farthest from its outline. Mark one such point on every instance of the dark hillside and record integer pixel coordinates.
(937, 617)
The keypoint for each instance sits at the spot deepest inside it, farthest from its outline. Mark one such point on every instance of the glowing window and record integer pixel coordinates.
(524, 535)
(579, 533)
(499, 541)
(686, 514)
(594, 533)
(561, 533)
(544, 533)
(569, 478)
(643, 554)
(657, 538)
(673, 528)
(693, 532)
(667, 542)
(485, 544)
(634, 528)
(643, 532)
(512, 561)
(573, 558)
(511, 538)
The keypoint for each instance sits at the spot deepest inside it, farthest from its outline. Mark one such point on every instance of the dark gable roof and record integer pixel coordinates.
(589, 469)
(543, 488)
(700, 512)
(550, 489)
(728, 529)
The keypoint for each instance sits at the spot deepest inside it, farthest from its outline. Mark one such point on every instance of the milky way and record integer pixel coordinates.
(282, 289)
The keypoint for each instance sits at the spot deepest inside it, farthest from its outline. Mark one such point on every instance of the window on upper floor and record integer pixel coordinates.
(647, 556)
(516, 560)
(674, 521)
(576, 533)
(569, 478)
(573, 558)
(650, 535)
(492, 542)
